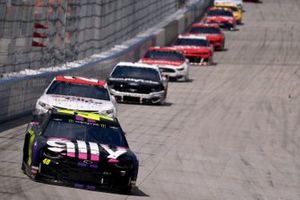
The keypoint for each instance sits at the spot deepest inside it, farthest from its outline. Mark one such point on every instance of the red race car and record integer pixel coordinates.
(213, 33)
(223, 17)
(195, 48)
(169, 61)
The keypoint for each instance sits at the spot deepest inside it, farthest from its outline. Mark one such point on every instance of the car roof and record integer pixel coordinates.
(81, 80)
(192, 36)
(226, 4)
(165, 49)
(137, 64)
(221, 9)
(228, 1)
(205, 25)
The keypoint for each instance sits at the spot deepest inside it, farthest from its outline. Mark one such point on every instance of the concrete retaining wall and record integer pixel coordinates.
(18, 96)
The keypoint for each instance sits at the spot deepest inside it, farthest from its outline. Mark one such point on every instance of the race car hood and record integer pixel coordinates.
(85, 153)
(195, 49)
(134, 85)
(162, 62)
(76, 103)
(211, 37)
(219, 19)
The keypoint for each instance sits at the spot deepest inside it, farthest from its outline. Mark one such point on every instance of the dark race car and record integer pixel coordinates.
(79, 149)
(137, 82)
(223, 17)
(213, 33)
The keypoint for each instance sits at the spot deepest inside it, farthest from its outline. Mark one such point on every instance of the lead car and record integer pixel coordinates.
(79, 149)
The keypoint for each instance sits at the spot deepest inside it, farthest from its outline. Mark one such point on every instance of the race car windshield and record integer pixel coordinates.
(136, 73)
(192, 42)
(219, 12)
(234, 9)
(164, 55)
(78, 90)
(103, 134)
(205, 30)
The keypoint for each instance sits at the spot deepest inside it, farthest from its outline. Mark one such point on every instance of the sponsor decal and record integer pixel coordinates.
(86, 151)
(133, 79)
(63, 99)
(46, 161)
(162, 62)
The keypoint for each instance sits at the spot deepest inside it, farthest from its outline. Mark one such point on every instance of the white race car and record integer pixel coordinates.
(169, 61)
(77, 93)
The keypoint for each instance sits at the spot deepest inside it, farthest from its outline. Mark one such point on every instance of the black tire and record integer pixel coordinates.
(127, 189)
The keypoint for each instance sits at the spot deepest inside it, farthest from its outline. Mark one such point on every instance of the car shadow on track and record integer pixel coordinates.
(14, 123)
(185, 81)
(165, 104)
(135, 192)
(252, 1)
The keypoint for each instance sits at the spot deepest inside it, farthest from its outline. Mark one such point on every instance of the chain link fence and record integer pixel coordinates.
(42, 33)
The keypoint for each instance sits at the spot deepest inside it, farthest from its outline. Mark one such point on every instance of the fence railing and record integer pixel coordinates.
(42, 33)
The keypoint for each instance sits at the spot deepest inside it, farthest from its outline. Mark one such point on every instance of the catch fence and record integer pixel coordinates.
(42, 33)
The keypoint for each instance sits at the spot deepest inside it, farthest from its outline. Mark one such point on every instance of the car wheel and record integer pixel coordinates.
(127, 189)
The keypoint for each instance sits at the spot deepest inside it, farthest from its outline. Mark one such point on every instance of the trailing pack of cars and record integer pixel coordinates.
(75, 137)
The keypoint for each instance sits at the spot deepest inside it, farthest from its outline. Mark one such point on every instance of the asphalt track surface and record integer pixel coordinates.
(232, 132)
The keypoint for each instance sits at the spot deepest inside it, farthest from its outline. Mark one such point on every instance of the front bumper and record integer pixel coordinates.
(39, 110)
(175, 73)
(226, 25)
(153, 97)
(223, 24)
(199, 59)
(218, 45)
(85, 177)
(238, 18)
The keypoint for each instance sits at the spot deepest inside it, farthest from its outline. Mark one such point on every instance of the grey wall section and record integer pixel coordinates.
(18, 96)
(16, 19)
(74, 29)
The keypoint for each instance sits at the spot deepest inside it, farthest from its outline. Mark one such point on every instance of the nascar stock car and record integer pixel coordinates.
(213, 33)
(138, 82)
(236, 11)
(195, 48)
(77, 93)
(79, 149)
(223, 17)
(169, 61)
(238, 3)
